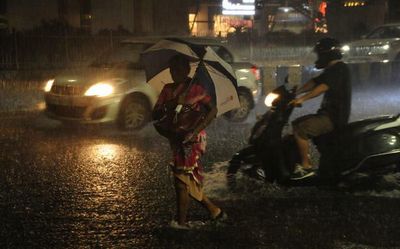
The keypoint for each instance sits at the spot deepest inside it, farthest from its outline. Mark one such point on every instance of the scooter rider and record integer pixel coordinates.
(334, 84)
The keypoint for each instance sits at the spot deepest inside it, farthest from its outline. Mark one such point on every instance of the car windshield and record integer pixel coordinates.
(127, 56)
(385, 32)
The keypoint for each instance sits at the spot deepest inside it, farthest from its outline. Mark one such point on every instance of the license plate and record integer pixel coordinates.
(56, 100)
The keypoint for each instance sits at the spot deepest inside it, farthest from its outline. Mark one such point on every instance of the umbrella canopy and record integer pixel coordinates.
(207, 68)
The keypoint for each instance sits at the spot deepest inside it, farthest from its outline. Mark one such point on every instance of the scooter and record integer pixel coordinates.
(368, 147)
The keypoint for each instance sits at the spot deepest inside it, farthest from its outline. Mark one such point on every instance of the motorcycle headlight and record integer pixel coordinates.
(48, 85)
(100, 89)
(269, 99)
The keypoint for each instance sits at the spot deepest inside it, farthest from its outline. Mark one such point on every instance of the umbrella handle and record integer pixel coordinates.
(178, 108)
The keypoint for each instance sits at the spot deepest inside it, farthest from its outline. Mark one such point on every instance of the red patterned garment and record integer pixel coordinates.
(186, 157)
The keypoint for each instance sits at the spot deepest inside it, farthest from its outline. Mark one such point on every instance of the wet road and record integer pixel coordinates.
(69, 187)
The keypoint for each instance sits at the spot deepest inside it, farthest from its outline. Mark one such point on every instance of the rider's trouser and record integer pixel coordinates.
(312, 125)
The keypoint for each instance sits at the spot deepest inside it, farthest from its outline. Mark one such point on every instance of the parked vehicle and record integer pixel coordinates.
(370, 147)
(113, 87)
(381, 45)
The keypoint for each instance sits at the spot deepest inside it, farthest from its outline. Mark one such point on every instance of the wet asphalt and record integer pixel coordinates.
(96, 187)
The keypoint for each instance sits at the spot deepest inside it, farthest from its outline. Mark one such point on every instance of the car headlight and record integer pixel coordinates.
(48, 85)
(386, 47)
(346, 48)
(100, 89)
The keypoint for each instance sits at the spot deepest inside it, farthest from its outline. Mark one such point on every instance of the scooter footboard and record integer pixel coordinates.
(244, 156)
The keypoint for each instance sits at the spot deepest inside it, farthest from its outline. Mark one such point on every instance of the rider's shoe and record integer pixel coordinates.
(175, 225)
(300, 172)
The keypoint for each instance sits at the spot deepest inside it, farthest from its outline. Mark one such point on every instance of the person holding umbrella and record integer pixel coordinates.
(204, 86)
(187, 148)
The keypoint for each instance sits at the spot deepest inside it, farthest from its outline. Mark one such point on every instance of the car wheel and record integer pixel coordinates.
(134, 113)
(240, 114)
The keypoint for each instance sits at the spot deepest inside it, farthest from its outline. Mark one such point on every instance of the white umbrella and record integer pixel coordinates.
(217, 76)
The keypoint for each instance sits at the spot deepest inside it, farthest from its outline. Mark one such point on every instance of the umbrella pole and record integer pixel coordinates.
(179, 107)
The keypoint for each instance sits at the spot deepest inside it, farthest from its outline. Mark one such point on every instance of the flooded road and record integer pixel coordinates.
(95, 187)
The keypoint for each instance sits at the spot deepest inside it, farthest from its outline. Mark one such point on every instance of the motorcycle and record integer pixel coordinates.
(368, 147)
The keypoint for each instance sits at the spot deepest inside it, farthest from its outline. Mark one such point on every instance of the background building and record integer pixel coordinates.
(135, 16)
(161, 17)
(22, 15)
(349, 19)
(206, 18)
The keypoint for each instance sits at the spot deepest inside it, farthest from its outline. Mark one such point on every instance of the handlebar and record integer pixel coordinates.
(298, 105)
(295, 105)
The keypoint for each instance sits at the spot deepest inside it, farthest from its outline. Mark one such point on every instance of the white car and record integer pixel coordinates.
(113, 88)
(381, 45)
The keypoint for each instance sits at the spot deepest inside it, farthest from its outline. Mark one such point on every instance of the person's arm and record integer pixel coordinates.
(211, 114)
(159, 107)
(316, 91)
(306, 87)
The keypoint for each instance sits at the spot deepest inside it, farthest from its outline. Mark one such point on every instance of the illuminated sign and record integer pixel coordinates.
(354, 4)
(235, 7)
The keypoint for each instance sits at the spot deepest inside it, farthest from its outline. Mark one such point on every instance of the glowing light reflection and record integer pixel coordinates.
(106, 151)
(393, 140)
(41, 105)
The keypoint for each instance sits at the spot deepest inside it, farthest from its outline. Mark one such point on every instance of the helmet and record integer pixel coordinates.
(327, 50)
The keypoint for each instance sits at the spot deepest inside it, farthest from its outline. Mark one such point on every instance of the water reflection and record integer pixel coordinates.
(105, 168)
(105, 151)
(102, 179)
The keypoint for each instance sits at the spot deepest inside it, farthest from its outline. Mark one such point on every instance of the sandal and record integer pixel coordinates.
(222, 216)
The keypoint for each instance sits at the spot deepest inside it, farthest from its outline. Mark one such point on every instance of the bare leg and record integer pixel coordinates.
(303, 146)
(182, 201)
(211, 207)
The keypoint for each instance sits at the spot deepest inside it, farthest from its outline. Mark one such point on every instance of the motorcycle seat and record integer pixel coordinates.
(354, 129)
